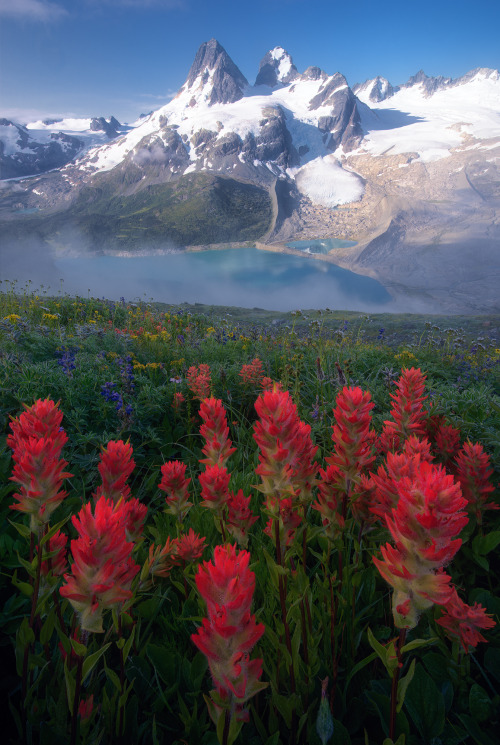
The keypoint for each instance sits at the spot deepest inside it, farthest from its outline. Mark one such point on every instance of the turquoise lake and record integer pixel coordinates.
(244, 277)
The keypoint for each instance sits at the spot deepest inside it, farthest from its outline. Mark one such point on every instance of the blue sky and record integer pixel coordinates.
(125, 57)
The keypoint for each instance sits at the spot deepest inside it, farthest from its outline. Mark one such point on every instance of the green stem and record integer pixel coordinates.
(76, 701)
(395, 679)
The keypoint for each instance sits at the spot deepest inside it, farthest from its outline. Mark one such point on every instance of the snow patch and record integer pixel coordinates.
(325, 182)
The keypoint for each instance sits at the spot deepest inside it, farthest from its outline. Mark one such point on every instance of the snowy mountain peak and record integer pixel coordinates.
(276, 67)
(428, 84)
(374, 90)
(213, 77)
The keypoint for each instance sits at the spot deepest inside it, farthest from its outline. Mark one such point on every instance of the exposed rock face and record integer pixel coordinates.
(212, 66)
(374, 90)
(111, 127)
(22, 155)
(342, 126)
(167, 151)
(430, 85)
(276, 67)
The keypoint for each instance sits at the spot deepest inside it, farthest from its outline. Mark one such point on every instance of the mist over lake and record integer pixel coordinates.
(244, 277)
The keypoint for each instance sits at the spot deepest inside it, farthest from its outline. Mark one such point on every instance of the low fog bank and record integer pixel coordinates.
(242, 277)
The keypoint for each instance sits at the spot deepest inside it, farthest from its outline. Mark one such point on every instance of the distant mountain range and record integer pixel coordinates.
(412, 172)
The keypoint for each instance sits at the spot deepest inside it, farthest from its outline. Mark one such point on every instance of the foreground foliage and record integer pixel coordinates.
(254, 534)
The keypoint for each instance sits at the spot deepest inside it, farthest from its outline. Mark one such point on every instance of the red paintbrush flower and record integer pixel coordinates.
(407, 411)
(102, 570)
(230, 631)
(190, 546)
(175, 484)
(177, 401)
(215, 432)
(215, 488)
(473, 472)
(252, 374)
(161, 560)
(115, 467)
(424, 525)
(288, 521)
(41, 420)
(329, 501)
(40, 473)
(462, 621)
(55, 555)
(199, 381)
(352, 437)
(240, 517)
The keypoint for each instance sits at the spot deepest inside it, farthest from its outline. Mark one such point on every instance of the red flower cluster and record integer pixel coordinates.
(473, 472)
(286, 459)
(37, 440)
(177, 401)
(215, 432)
(230, 632)
(199, 381)
(102, 570)
(175, 484)
(407, 411)
(116, 465)
(462, 621)
(424, 525)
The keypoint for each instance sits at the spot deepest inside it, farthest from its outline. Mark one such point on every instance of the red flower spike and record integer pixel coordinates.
(199, 381)
(230, 632)
(289, 521)
(85, 708)
(329, 501)
(473, 472)
(252, 374)
(39, 472)
(215, 432)
(175, 484)
(57, 563)
(424, 525)
(353, 439)
(240, 518)
(115, 467)
(215, 488)
(177, 401)
(407, 410)
(41, 420)
(190, 546)
(102, 569)
(161, 560)
(286, 464)
(462, 621)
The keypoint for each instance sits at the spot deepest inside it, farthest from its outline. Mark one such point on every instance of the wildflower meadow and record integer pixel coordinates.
(223, 530)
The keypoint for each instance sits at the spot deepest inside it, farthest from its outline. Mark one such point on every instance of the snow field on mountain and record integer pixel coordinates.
(431, 126)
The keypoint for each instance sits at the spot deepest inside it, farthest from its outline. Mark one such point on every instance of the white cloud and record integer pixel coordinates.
(35, 10)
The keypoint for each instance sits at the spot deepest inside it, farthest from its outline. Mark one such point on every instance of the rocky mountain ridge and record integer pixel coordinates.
(409, 172)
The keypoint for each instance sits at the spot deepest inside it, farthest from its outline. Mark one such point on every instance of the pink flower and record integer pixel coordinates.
(240, 517)
(215, 488)
(473, 472)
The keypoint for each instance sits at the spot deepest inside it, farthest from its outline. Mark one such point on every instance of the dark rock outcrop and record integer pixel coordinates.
(276, 67)
(228, 82)
(25, 156)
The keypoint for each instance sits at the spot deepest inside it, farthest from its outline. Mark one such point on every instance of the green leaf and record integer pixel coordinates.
(359, 666)
(112, 676)
(399, 741)
(386, 654)
(128, 645)
(92, 660)
(475, 731)
(340, 734)
(416, 643)
(479, 703)
(48, 628)
(79, 649)
(403, 684)
(425, 705)
(483, 544)
(165, 662)
(23, 530)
